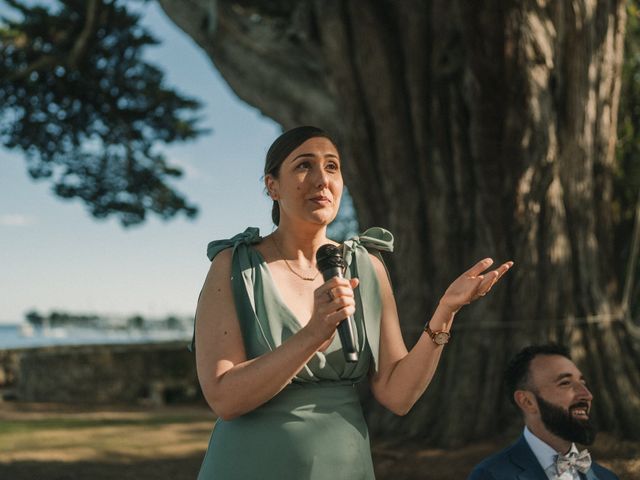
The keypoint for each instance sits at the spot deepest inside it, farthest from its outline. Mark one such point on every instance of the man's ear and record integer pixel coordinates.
(526, 401)
(271, 184)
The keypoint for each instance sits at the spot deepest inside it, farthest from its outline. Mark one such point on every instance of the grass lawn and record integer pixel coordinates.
(57, 442)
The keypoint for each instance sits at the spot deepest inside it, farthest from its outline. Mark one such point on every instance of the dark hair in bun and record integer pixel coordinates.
(282, 147)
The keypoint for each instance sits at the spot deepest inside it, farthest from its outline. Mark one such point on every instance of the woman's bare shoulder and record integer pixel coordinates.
(378, 266)
(220, 268)
(222, 260)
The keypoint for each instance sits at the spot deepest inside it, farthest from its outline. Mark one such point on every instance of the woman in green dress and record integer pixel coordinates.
(269, 361)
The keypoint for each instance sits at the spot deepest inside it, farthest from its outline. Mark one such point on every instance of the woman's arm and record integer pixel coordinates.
(402, 376)
(233, 385)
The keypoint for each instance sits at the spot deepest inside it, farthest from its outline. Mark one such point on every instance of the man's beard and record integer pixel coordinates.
(561, 423)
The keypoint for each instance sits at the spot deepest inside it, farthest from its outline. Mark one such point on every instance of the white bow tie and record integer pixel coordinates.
(580, 461)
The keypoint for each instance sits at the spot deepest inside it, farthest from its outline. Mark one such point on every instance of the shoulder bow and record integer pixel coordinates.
(375, 238)
(249, 237)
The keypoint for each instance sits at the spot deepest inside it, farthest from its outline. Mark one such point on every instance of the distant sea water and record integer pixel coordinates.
(25, 336)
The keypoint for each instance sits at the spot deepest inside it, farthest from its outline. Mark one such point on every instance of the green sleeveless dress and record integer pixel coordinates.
(313, 429)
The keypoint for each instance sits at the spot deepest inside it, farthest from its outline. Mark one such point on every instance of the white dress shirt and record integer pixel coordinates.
(546, 456)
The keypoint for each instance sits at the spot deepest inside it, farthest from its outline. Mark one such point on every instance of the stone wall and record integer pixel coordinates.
(136, 373)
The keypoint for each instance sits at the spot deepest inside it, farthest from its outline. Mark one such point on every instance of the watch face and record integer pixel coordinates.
(441, 338)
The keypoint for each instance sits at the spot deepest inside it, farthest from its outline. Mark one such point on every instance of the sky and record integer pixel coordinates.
(55, 256)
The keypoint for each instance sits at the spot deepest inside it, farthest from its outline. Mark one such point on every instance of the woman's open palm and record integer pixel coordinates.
(473, 284)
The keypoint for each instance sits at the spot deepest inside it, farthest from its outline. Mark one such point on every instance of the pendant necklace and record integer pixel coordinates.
(308, 279)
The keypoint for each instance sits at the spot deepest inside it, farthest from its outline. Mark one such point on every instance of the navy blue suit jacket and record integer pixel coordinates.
(519, 463)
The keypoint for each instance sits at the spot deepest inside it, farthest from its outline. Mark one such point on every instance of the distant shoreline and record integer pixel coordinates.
(22, 335)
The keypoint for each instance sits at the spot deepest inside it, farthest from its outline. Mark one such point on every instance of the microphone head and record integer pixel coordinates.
(328, 256)
(351, 357)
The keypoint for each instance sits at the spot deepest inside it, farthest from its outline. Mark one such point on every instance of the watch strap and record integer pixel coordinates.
(438, 333)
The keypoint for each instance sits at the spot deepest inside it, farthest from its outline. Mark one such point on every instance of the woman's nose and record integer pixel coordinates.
(322, 178)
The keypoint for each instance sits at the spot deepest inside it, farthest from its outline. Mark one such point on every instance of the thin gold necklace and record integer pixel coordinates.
(308, 279)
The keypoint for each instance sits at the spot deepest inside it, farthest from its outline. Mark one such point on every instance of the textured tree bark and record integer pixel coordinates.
(470, 129)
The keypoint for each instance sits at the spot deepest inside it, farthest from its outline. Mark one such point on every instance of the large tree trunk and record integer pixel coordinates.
(470, 129)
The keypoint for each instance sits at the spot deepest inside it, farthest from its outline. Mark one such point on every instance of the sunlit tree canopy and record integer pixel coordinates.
(78, 99)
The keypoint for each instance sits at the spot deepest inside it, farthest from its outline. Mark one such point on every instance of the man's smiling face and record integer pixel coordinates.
(563, 399)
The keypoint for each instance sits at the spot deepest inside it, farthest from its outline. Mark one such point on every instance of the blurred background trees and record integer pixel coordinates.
(88, 112)
(627, 170)
(468, 129)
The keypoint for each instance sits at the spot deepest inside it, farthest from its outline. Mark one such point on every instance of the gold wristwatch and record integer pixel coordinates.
(440, 337)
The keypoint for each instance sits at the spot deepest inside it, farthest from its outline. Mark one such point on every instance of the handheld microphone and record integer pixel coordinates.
(331, 264)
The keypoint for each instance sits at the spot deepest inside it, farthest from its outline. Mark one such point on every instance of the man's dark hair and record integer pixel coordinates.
(517, 372)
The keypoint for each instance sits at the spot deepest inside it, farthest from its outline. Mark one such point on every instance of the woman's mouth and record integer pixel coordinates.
(321, 200)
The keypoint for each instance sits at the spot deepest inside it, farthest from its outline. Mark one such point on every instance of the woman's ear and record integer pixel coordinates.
(271, 184)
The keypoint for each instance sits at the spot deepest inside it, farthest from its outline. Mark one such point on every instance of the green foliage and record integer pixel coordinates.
(77, 98)
(57, 318)
(34, 318)
(136, 322)
(62, 319)
(627, 174)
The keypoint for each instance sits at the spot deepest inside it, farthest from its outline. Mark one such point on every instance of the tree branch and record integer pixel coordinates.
(44, 62)
(272, 64)
(80, 47)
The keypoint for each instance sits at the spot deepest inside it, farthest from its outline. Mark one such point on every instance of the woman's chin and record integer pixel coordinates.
(317, 217)
(322, 218)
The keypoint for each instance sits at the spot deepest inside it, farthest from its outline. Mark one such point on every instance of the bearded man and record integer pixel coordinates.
(555, 402)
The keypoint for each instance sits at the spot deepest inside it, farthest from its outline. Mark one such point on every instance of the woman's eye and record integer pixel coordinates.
(333, 166)
(302, 166)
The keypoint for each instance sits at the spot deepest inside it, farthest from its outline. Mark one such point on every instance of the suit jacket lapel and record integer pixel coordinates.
(591, 475)
(522, 456)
